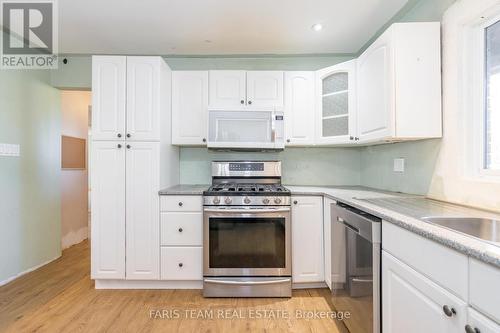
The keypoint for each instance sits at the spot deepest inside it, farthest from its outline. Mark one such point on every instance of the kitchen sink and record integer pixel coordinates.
(483, 228)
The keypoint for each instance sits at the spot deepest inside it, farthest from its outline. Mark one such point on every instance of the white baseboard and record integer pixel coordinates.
(131, 284)
(18, 275)
(74, 237)
(309, 285)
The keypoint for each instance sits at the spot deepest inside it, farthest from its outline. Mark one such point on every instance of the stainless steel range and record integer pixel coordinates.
(247, 235)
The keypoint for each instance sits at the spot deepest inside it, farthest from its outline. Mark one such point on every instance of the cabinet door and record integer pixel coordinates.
(307, 239)
(265, 89)
(142, 200)
(336, 104)
(375, 91)
(108, 97)
(143, 98)
(478, 323)
(414, 304)
(108, 210)
(227, 89)
(299, 108)
(327, 230)
(189, 107)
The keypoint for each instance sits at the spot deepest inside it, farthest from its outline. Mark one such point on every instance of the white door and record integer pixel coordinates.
(142, 202)
(108, 210)
(375, 91)
(336, 104)
(108, 97)
(189, 107)
(327, 230)
(307, 239)
(299, 108)
(265, 89)
(227, 89)
(414, 304)
(143, 98)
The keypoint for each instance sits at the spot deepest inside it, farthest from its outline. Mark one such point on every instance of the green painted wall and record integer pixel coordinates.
(30, 221)
(300, 166)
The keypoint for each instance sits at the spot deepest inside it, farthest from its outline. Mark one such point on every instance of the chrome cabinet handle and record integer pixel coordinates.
(249, 102)
(129, 146)
(470, 329)
(180, 204)
(204, 140)
(119, 135)
(288, 140)
(295, 202)
(181, 264)
(449, 312)
(119, 145)
(181, 230)
(242, 102)
(128, 135)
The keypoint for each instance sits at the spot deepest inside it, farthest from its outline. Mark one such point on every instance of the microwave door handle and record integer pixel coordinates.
(273, 127)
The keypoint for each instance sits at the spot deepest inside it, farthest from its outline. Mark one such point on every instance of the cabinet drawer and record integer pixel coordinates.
(181, 263)
(480, 323)
(484, 288)
(181, 203)
(428, 257)
(181, 228)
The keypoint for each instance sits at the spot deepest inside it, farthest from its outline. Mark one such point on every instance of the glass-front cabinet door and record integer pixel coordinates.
(336, 116)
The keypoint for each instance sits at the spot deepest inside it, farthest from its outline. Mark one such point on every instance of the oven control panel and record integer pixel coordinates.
(213, 200)
(246, 166)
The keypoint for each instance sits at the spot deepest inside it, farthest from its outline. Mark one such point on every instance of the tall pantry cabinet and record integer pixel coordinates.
(131, 160)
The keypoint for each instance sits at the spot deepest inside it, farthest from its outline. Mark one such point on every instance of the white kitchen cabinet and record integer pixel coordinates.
(411, 303)
(478, 323)
(299, 108)
(143, 98)
(189, 107)
(142, 206)
(108, 210)
(108, 97)
(399, 84)
(307, 239)
(265, 89)
(182, 263)
(336, 104)
(484, 288)
(328, 241)
(227, 89)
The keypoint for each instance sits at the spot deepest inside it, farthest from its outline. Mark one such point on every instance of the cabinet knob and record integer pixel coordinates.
(449, 312)
(119, 145)
(119, 135)
(128, 146)
(351, 138)
(470, 329)
(181, 264)
(180, 203)
(356, 138)
(180, 230)
(242, 102)
(288, 140)
(128, 135)
(204, 140)
(249, 102)
(295, 202)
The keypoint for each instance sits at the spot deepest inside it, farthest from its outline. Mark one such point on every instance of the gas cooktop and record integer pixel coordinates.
(245, 189)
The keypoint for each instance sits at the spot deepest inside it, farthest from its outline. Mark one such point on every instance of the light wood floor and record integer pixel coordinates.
(60, 297)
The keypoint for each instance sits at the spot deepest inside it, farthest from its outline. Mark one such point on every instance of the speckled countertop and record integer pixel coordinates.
(363, 198)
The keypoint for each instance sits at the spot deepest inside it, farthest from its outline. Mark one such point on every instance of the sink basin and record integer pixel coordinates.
(483, 228)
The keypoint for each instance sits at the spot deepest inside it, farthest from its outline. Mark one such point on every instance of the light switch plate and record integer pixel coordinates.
(12, 150)
(399, 165)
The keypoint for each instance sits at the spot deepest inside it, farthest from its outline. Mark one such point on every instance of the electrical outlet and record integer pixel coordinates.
(11, 150)
(399, 165)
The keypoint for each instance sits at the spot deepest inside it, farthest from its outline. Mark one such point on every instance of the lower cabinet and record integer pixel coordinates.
(307, 239)
(412, 303)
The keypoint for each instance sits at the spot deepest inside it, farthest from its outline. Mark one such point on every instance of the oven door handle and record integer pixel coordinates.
(246, 211)
(247, 283)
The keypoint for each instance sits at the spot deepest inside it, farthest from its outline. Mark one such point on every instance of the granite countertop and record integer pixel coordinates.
(185, 189)
(362, 198)
(366, 199)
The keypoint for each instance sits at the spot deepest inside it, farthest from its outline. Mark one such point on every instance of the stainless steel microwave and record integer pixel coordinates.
(246, 129)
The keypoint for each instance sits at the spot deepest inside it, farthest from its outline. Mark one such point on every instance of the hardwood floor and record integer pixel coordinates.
(60, 297)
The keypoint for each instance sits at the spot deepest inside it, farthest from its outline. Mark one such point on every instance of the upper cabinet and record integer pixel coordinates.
(108, 97)
(189, 107)
(336, 104)
(246, 89)
(299, 108)
(126, 98)
(399, 85)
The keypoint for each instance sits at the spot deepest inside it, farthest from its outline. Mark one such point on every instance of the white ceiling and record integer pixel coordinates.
(195, 27)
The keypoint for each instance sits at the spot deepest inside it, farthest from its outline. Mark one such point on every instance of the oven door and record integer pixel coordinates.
(246, 241)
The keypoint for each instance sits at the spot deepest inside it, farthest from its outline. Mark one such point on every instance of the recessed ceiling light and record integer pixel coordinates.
(317, 27)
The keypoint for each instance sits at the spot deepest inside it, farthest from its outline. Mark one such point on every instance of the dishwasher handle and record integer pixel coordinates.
(353, 228)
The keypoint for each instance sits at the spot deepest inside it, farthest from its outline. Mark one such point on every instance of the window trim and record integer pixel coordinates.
(473, 87)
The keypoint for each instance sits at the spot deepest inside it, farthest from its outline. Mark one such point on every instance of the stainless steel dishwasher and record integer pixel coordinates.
(356, 261)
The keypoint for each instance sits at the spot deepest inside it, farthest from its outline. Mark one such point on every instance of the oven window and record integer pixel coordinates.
(247, 242)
